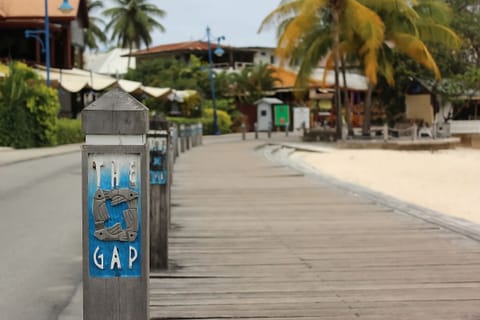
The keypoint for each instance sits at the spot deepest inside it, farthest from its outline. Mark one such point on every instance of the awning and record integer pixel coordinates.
(354, 81)
(156, 92)
(129, 86)
(74, 80)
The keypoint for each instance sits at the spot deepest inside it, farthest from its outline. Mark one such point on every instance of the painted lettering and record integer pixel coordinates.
(115, 259)
(98, 258)
(132, 257)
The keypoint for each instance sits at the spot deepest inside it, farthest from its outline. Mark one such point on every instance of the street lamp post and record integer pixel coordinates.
(218, 52)
(65, 7)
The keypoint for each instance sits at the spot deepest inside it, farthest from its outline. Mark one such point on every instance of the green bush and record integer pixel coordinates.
(182, 120)
(69, 131)
(28, 109)
(223, 119)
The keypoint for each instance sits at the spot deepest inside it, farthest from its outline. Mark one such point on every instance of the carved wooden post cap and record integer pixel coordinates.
(115, 113)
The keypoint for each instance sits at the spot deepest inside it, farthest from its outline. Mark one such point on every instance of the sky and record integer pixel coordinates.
(237, 20)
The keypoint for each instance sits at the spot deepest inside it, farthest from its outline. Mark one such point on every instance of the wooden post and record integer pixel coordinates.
(195, 135)
(414, 132)
(160, 153)
(171, 163)
(385, 132)
(286, 129)
(175, 141)
(115, 210)
(269, 130)
(188, 133)
(201, 133)
(256, 130)
(244, 131)
(182, 138)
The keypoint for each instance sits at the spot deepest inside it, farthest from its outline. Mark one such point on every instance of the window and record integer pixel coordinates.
(263, 113)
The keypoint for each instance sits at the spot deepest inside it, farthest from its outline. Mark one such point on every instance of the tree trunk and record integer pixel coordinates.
(338, 97)
(367, 111)
(129, 56)
(346, 98)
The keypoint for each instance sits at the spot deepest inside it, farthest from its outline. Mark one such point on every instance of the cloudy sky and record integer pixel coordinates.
(237, 20)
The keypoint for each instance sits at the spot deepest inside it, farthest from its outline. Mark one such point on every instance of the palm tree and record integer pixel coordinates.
(404, 26)
(94, 32)
(347, 19)
(132, 22)
(408, 29)
(252, 83)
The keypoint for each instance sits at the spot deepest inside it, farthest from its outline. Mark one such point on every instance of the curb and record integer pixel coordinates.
(9, 156)
(461, 226)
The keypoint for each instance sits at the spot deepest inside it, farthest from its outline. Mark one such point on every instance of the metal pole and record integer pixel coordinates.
(212, 84)
(47, 44)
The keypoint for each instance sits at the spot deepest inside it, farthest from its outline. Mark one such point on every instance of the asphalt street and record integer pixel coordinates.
(40, 236)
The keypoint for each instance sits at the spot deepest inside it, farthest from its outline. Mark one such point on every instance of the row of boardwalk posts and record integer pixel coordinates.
(127, 174)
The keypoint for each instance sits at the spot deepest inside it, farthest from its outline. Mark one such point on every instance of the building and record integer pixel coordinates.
(66, 31)
(232, 58)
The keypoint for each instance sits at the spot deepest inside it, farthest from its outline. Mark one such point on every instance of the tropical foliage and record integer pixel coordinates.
(94, 33)
(361, 33)
(69, 131)
(28, 109)
(132, 22)
(172, 73)
(251, 83)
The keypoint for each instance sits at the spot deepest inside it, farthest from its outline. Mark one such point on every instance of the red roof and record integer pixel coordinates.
(28, 9)
(193, 46)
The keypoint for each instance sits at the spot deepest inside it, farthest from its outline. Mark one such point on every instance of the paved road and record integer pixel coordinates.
(40, 236)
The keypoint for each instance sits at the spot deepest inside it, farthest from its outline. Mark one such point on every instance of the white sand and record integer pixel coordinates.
(447, 181)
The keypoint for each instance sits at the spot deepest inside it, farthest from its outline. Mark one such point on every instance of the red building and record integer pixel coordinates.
(66, 31)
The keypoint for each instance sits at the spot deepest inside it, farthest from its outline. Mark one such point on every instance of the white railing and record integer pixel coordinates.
(465, 126)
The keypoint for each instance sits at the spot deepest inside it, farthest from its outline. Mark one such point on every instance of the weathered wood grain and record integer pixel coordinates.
(255, 240)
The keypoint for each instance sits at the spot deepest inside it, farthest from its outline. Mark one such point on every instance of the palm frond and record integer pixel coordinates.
(286, 10)
(416, 49)
(440, 34)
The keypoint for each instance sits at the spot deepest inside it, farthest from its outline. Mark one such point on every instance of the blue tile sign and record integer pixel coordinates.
(114, 215)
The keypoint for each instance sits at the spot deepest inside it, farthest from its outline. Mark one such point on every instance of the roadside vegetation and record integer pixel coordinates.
(28, 112)
(391, 42)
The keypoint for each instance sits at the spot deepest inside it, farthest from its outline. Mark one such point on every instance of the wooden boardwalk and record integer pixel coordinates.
(254, 240)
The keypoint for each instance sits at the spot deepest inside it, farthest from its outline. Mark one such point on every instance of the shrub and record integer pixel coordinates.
(223, 120)
(28, 109)
(69, 131)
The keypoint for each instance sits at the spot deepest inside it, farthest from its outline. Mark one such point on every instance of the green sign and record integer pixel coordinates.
(282, 114)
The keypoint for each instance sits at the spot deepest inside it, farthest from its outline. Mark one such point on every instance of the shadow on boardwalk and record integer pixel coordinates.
(253, 240)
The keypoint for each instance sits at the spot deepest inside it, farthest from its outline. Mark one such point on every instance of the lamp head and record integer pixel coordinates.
(65, 7)
(219, 52)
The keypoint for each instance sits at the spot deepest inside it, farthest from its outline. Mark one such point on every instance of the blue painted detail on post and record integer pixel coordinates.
(158, 177)
(158, 167)
(114, 234)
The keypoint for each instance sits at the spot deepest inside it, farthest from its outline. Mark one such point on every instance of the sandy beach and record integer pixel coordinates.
(447, 181)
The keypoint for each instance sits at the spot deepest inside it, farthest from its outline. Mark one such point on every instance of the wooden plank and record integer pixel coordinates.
(254, 240)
